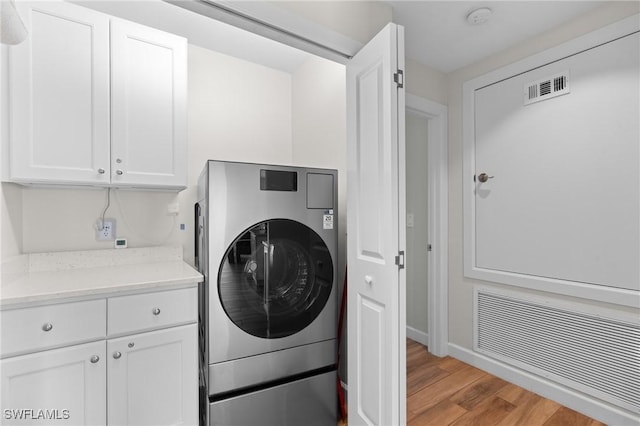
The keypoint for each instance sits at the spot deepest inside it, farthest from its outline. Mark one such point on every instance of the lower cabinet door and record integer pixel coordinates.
(64, 386)
(153, 378)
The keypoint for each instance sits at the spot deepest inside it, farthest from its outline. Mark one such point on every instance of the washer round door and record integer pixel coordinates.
(275, 278)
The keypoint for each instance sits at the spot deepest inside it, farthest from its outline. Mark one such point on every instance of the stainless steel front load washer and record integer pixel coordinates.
(266, 243)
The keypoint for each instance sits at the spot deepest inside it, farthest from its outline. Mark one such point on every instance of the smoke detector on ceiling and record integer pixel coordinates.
(479, 16)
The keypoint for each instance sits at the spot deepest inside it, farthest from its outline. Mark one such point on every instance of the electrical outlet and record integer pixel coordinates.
(106, 230)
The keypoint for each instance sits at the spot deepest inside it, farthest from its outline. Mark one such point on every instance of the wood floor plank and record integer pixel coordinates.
(488, 413)
(567, 417)
(443, 389)
(450, 364)
(424, 377)
(443, 413)
(474, 394)
(531, 411)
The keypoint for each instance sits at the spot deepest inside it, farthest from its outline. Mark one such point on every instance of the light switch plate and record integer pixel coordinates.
(410, 220)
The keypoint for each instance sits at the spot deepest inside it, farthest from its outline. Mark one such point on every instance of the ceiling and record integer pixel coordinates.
(436, 32)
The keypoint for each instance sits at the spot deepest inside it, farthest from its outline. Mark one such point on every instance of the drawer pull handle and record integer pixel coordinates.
(156, 311)
(95, 359)
(47, 327)
(117, 355)
(131, 344)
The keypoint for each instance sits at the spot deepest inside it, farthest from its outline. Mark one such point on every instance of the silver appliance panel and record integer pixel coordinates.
(259, 369)
(235, 204)
(302, 402)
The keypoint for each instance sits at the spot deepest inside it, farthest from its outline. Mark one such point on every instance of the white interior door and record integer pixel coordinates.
(376, 232)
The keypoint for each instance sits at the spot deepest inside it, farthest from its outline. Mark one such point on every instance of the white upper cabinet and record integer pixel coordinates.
(59, 96)
(148, 106)
(95, 100)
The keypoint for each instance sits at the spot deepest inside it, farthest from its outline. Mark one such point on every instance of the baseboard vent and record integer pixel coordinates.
(589, 353)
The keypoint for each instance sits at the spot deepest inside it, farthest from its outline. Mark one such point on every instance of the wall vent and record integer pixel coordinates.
(590, 353)
(546, 88)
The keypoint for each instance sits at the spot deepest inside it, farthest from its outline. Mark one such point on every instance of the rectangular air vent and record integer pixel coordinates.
(546, 88)
(591, 353)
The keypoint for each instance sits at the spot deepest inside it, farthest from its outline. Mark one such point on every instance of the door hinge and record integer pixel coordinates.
(400, 260)
(398, 78)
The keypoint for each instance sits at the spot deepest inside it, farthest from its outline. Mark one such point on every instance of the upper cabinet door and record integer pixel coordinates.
(148, 114)
(59, 96)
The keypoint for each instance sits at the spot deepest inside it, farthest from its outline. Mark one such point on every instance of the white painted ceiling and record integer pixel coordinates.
(436, 32)
(438, 35)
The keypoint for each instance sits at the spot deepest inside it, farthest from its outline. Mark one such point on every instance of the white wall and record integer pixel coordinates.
(416, 187)
(461, 288)
(237, 111)
(319, 129)
(319, 140)
(426, 82)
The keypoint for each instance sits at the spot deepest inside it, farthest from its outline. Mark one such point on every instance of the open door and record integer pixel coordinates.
(376, 231)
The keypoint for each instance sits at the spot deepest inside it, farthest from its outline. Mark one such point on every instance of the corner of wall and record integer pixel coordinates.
(426, 82)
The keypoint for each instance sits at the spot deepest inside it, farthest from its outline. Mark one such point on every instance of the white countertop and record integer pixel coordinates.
(49, 277)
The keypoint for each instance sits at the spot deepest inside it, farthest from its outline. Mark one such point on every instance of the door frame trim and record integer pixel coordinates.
(438, 221)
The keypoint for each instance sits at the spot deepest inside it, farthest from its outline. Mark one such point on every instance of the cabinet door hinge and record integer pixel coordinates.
(398, 78)
(400, 260)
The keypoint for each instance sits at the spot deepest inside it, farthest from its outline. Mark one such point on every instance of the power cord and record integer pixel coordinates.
(105, 209)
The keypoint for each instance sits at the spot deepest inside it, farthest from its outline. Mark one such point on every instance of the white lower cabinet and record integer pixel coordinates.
(64, 386)
(139, 367)
(153, 378)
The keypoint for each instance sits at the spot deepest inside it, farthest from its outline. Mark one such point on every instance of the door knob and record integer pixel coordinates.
(47, 327)
(95, 359)
(483, 177)
(117, 355)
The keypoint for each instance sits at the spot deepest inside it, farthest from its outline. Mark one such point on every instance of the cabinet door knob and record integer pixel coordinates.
(47, 327)
(131, 344)
(101, 170)
(119, 172)
(156, 311)
(95, 359)
(117, 355)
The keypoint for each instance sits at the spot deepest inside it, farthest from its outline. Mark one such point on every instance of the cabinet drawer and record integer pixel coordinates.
(130, 314)
(43, 327)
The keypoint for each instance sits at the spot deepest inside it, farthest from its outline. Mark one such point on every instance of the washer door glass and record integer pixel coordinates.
(275, 278)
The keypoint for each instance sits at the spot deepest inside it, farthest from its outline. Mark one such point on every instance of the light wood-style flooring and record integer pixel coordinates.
(445, 391)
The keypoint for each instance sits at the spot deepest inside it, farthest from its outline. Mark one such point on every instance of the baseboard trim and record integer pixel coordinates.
(577, 401)
(417, 335)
